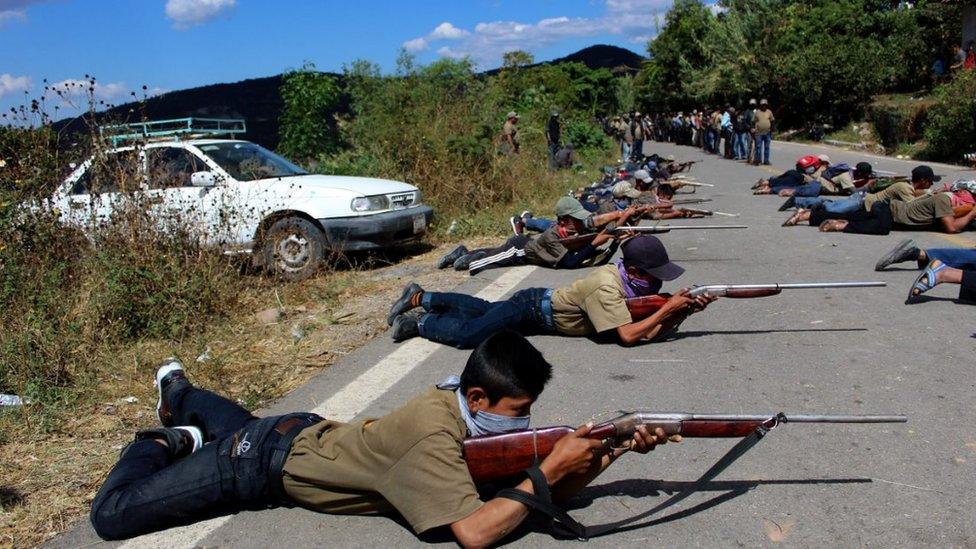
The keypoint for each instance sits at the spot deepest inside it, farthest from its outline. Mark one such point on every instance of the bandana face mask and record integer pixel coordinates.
(483, 423)
(635, 287)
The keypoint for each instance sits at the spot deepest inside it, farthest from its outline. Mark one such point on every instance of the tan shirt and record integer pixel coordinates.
(764, 121)
(592, 304)
(922, 211)
(510, 129)
(409, 461)
(545, 249)
(900, 191)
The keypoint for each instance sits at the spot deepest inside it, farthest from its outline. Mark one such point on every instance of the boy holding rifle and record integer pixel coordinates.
(594, 304)
(211, 457)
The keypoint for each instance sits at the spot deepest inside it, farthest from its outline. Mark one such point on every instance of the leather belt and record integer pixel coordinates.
(288, 430)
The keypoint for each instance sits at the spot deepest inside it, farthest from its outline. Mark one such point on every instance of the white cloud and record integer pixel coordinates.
(415, 45)
(13, 84)
(487, 41)
(7, 16)
(73, 90)
(189, 13)
(447, 31)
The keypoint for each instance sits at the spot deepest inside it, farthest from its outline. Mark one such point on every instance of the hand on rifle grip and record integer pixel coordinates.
(645, 440)
(573, 454)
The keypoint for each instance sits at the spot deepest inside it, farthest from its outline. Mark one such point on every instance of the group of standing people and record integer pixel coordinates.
(744, 135)
(561, 154)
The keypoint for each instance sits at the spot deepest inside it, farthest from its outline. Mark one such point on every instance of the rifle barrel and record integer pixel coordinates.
(804, 418)
(665, 228)
(802, 286)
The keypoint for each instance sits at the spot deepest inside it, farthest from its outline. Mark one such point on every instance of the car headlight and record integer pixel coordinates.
(418, 198)
(370, 203)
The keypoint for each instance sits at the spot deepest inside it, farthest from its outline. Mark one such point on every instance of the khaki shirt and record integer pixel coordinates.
(545, 249)
(409, 461)
(510, 129)
(764, 121)
(840, 183)
(592, 304)
(922, 211)
(900, 191)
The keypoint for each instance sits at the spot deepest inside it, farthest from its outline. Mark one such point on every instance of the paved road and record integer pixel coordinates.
(850, 351)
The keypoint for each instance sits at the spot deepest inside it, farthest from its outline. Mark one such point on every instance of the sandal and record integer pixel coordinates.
(927, 280)
(794, 219)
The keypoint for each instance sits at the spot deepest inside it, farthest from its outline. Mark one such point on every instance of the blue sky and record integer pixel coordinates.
(175, 44)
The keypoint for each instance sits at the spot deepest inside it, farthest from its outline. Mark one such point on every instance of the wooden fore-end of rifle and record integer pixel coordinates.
(497, 457)
(643, 307)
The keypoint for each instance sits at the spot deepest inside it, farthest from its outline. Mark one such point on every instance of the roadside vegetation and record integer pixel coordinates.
(833, 62)
(86, 319)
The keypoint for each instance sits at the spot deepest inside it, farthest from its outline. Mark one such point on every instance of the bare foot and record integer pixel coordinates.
(800, 215)
(833, 226)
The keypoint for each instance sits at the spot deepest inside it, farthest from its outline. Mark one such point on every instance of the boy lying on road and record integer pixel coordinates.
(211, 457)
(591, 305)
(941, 265)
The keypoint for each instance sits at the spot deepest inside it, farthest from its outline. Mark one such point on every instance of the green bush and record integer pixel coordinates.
(898, 122)
(951, 128)
(585, 135)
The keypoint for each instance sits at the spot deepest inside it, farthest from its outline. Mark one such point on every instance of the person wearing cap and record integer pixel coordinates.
(862, 178)
(510, 138)
(930, 210)
(595, 304)
(546, 249)
(565, 157)
(750, 123)
(553, 136)
(763, 132)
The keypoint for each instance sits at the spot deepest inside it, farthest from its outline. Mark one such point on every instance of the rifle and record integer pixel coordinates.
(680, 201)
(577, 242)
(496, 457)
(643, 307)
(706, 213)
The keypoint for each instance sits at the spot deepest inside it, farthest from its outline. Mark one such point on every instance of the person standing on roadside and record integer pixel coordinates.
(510, 139)
(764, 132)
(750, 128)
(638, 130)
(627, 144)
(553, 131)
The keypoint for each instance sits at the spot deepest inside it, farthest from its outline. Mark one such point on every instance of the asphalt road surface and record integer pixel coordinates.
(854, 351)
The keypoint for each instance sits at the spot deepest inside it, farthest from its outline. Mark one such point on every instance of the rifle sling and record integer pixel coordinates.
(561, 523)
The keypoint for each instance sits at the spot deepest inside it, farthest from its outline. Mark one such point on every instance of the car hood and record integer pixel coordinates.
(366, 186)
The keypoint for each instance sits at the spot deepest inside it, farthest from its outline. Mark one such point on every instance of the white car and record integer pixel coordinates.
(243, 198)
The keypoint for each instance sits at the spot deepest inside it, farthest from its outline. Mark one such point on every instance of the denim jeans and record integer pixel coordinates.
(553, 149)
(148, 491)
(845, 205)
(738, 146)
(638, 150)
(625, 150)
(763, 142)
(957, 258)
(464, 321)
(538, 224)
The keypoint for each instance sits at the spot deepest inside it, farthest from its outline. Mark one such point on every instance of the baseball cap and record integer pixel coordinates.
(569, 206)
(763, 101)
(926, 173)
(824, 158)
(669, 158)
(512, 114)
(752, 101)
(647, 253)
(863, 170)
(643, 175)
(624, 189)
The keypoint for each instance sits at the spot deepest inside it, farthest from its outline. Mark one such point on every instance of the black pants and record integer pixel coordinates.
(147, 491)
(877, 221)
(967, 290)
(509, 254)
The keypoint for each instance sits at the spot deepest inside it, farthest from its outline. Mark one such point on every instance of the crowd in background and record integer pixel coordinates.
(736, 134)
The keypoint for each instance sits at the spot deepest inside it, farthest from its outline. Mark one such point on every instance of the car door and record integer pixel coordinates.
(176, 203)
(94, 195)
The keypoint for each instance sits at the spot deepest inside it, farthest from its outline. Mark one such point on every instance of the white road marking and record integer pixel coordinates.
(344, 405)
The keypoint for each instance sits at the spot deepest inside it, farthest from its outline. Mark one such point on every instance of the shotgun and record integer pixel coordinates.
(643, 307)
(577, 242)
(496, 457)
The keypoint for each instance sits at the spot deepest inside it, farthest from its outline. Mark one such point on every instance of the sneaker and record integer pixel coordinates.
(517, 226)
(405, 327)
(405, 303)
(905, 250)
(450, 257)
(181, 441)
(526, 214)
(170, 377)
(790, 203)
(462, 263)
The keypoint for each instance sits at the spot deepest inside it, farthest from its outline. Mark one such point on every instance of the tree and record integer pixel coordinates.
(675, 52)
(516, 59)
(306, 124)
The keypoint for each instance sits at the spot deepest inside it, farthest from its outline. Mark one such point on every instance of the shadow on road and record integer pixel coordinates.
(702, 333)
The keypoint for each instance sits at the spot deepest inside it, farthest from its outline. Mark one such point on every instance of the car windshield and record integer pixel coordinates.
(248, 162)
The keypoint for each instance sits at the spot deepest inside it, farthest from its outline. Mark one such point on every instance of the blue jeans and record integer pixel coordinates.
(464, 321)
(625, 150)
(553, 149)
(763, 142)
(741, 147)
(538, 224)
(148, 491)
(845, 205)
(957, 258)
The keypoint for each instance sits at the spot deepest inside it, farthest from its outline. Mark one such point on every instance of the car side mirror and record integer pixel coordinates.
(203, 179)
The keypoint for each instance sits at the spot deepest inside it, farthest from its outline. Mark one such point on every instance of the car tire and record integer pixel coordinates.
(293, 249)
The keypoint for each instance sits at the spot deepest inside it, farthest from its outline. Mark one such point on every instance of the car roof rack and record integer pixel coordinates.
(172, 130)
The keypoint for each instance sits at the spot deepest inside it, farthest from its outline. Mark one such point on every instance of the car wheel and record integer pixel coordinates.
(293, 248)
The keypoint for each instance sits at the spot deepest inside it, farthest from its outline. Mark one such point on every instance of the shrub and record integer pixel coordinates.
(951, 129)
